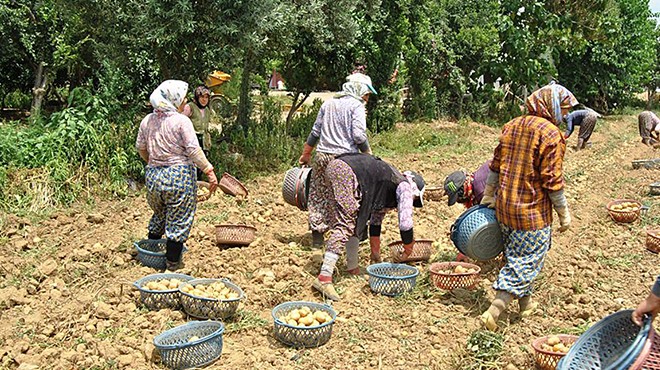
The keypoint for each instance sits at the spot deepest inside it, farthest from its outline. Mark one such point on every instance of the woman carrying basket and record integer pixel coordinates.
(340, 128)
(363, 189)
(167, 142)
(527, 172)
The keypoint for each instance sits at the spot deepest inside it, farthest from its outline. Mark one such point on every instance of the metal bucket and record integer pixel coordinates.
(655, 188)
(295, 188)
(476, 233)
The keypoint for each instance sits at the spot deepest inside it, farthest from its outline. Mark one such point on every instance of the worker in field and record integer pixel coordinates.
(200, 114)
(527, 173)
(167, 142)
(586, 119)
(649, 128)
(340, 128)
(363, 189)
(466, 189)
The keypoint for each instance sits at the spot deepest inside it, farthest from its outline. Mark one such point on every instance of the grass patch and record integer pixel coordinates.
(483, 351)
(245, 320)
(421, 138)
(624, 261)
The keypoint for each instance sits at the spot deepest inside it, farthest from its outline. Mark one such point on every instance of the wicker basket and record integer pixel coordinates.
(624, 216)
(229, 185)
(158, 299)
(434, 193)
(297, 336)
(422, 251)
(210, 308)
(230, 234)
(649, 358)
(177, 351)
(392, 279)
(204, 184)
(151, 252)
(653, 240)
(547, 360)
(654, 188)
(443, 279)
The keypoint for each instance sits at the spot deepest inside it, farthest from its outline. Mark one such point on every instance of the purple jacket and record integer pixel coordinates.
(479, 183)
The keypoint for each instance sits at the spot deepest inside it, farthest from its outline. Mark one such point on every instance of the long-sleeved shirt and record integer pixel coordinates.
(656, 287)
(529, 160)
(340, 127)
(575, 119)
(169, 138)
(479, 182)
(404, 196)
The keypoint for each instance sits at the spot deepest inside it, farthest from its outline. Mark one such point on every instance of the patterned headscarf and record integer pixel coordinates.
(168, 96)
(199, 92)
(353, 89)
(548, 101)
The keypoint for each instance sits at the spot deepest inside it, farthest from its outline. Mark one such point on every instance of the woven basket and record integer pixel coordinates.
(392, 279)
(230, 234)
(297, 336)
(210, 308)
(295, 187)
(547, 360)
(422, 251)
(434, 193)
(158, 299)
(443, 279)
(204, 184)
(178, 352)
(229, 185)
(624, 216)
(649, 358)
(653, 240)
(151, 252)
(654, 188)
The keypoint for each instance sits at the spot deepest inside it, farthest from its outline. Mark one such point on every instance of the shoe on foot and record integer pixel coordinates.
(488, 321)
(355, 271)
(530, 310)
(327, 289)
(173, 265)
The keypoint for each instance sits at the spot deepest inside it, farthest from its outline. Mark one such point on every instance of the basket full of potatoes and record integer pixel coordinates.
(303, 324)
(210, 298)
(159, 291)
(624, 210)
(550, 349)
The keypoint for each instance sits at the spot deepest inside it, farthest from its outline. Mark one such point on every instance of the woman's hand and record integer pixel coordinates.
(651, 305)
(213, 181)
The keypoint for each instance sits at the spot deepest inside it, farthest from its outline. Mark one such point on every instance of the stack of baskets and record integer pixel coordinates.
(151, 253)
(231, 234)
(191, 345)
(547, 360)
(210, 308)
(422, 250)
(624, 216)
(442, 275)
(300, 336)
(392, 279)
(230, 185)
(159, 299)
(615, 342)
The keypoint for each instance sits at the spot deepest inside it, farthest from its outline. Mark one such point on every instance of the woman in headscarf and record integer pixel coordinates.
(200, 114)
(340, 128)
(167, 142)
(363, 189)
(649, 128)
(527, 172)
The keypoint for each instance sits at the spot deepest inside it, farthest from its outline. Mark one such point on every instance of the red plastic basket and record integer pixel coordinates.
(649, 358)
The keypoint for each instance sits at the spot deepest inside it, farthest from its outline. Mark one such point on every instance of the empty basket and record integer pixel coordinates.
(653, 240)
(230, 185)
(230, 234)
(151, 252)
(194, 344)
(392, 279)
(422, 251)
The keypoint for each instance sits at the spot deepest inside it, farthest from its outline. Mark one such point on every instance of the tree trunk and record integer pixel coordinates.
(38, 91)
(295, 105)
(244, 95)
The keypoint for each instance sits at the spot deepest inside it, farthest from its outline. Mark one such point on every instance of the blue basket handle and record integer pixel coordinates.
(628, 358)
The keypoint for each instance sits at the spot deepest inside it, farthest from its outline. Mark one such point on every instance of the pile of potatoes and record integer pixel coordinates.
(163, 284)
(462, 270)
(626, 207)
(215, 290)
(304, 317)
(554, 344)
(202, 192)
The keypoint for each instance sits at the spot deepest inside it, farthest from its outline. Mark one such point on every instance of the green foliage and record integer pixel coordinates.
(484, 349)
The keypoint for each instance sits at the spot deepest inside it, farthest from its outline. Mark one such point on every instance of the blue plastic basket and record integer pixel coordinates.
(159, 299)
(612, 343)
(297, 336)
(392, 279)
(151, 252)
(210, 308)
(178, 352)
(476, 233)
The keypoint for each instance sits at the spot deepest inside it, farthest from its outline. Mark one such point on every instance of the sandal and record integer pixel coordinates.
(530, 310)
(488, 321)
(326, 289)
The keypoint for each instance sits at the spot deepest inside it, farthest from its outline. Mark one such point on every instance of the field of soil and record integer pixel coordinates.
(67, 301)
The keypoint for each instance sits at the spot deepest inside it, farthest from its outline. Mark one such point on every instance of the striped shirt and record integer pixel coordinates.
(529, 160)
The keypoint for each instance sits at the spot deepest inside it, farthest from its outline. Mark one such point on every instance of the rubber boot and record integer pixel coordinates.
(317, 240)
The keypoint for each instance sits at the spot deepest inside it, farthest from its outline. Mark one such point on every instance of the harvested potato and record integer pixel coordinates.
(555, 344)
(202, 191)
(305, 317)
(164, 284)
(461, 270)
(215, 290)
(193, 338)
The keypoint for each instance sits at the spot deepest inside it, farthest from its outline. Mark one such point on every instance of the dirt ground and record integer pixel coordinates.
(66, 299)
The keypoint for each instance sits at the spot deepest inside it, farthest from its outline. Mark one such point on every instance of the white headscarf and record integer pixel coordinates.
(168, 96)
(353, 89)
